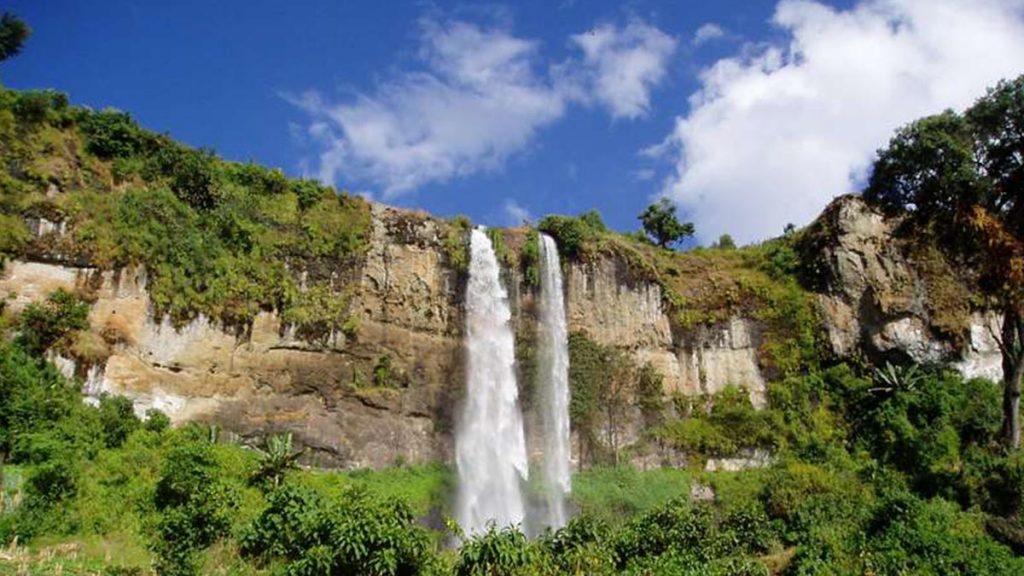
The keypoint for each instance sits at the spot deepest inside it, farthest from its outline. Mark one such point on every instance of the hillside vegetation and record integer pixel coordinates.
(876, 469)
(218, 238)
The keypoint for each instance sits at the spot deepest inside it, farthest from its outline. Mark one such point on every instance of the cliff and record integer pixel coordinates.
(387, 391)
(228, 293)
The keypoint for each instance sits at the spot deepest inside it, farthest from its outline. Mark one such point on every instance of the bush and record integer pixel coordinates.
(571, 234)
(117, 416)
(41, 326)
(358, 534)
(156, 421)
(53, 482)
(456, 243)
(112, 134)
(191, 174)
(529, 259)
(503, 551)
(195, 507)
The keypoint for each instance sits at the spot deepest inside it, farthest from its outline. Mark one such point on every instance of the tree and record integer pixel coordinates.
(960, 178)
(660, 223)
(13, 33)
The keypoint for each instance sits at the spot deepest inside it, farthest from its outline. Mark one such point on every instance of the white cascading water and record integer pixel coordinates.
(554, 386)
(490, 446)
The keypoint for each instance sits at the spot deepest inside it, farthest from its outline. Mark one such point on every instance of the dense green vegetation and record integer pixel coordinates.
(218, 238)
(957, 180)
(875, 470)
(889, 471)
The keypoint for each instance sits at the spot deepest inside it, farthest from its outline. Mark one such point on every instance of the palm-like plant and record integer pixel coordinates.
(276, 458)
(890, 378)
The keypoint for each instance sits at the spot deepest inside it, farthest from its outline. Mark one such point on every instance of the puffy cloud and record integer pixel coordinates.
(482, 95)
(623, 65)
(706, 33)
(778, 130)
(477, 101)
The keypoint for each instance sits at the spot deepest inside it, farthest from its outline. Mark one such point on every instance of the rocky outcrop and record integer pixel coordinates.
(266, 380)
(875, 295)
(613, 310)
(885, 296)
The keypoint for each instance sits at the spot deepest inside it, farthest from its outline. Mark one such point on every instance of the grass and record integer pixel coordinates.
(427, 488)
(614, 494)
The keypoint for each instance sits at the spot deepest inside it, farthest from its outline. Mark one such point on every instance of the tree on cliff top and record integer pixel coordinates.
(961, 179)
(13, 33)
(660, 223)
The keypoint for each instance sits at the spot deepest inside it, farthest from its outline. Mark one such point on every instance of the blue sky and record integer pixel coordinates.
(537, 107)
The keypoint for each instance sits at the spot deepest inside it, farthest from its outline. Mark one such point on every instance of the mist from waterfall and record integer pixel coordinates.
(553, 374)
(490, 446)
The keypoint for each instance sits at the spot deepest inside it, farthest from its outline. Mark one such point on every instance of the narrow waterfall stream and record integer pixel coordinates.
(490, 446)
(554, 387)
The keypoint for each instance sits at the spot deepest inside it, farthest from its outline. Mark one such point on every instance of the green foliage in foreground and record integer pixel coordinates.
(887, 473)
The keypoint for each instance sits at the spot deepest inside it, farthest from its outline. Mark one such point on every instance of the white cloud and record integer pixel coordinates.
(477, 101)
(623, 65)
(515, 214)
(481, 95)
(777, 131)
(707, 33)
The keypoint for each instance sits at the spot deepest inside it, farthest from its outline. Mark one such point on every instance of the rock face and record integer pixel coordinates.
(614, 311)
(266, 380)
(890, 299)
(875, 296)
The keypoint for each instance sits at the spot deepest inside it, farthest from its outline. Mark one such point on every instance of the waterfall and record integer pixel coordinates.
(553, 386)
(490, 447)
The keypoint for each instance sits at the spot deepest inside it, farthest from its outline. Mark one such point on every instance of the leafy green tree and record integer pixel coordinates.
(660, 223)
(961, 178)
(13, 33)
(725, 242)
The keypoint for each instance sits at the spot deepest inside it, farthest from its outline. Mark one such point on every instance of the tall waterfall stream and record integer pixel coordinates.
(554, 386)
(490, 444)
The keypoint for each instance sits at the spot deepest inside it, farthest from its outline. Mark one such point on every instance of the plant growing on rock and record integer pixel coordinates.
(960, 178)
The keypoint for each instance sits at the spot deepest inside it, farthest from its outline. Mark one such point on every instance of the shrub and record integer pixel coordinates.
(570, 233)
(195, 507)
(456, 243)
(191, 174)
(503, 551)
(580, 547)
(112, 134)
(529, 259)
(52, 482)
(358, 534)
(42, 326)
(156, 421)
(117, 416)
